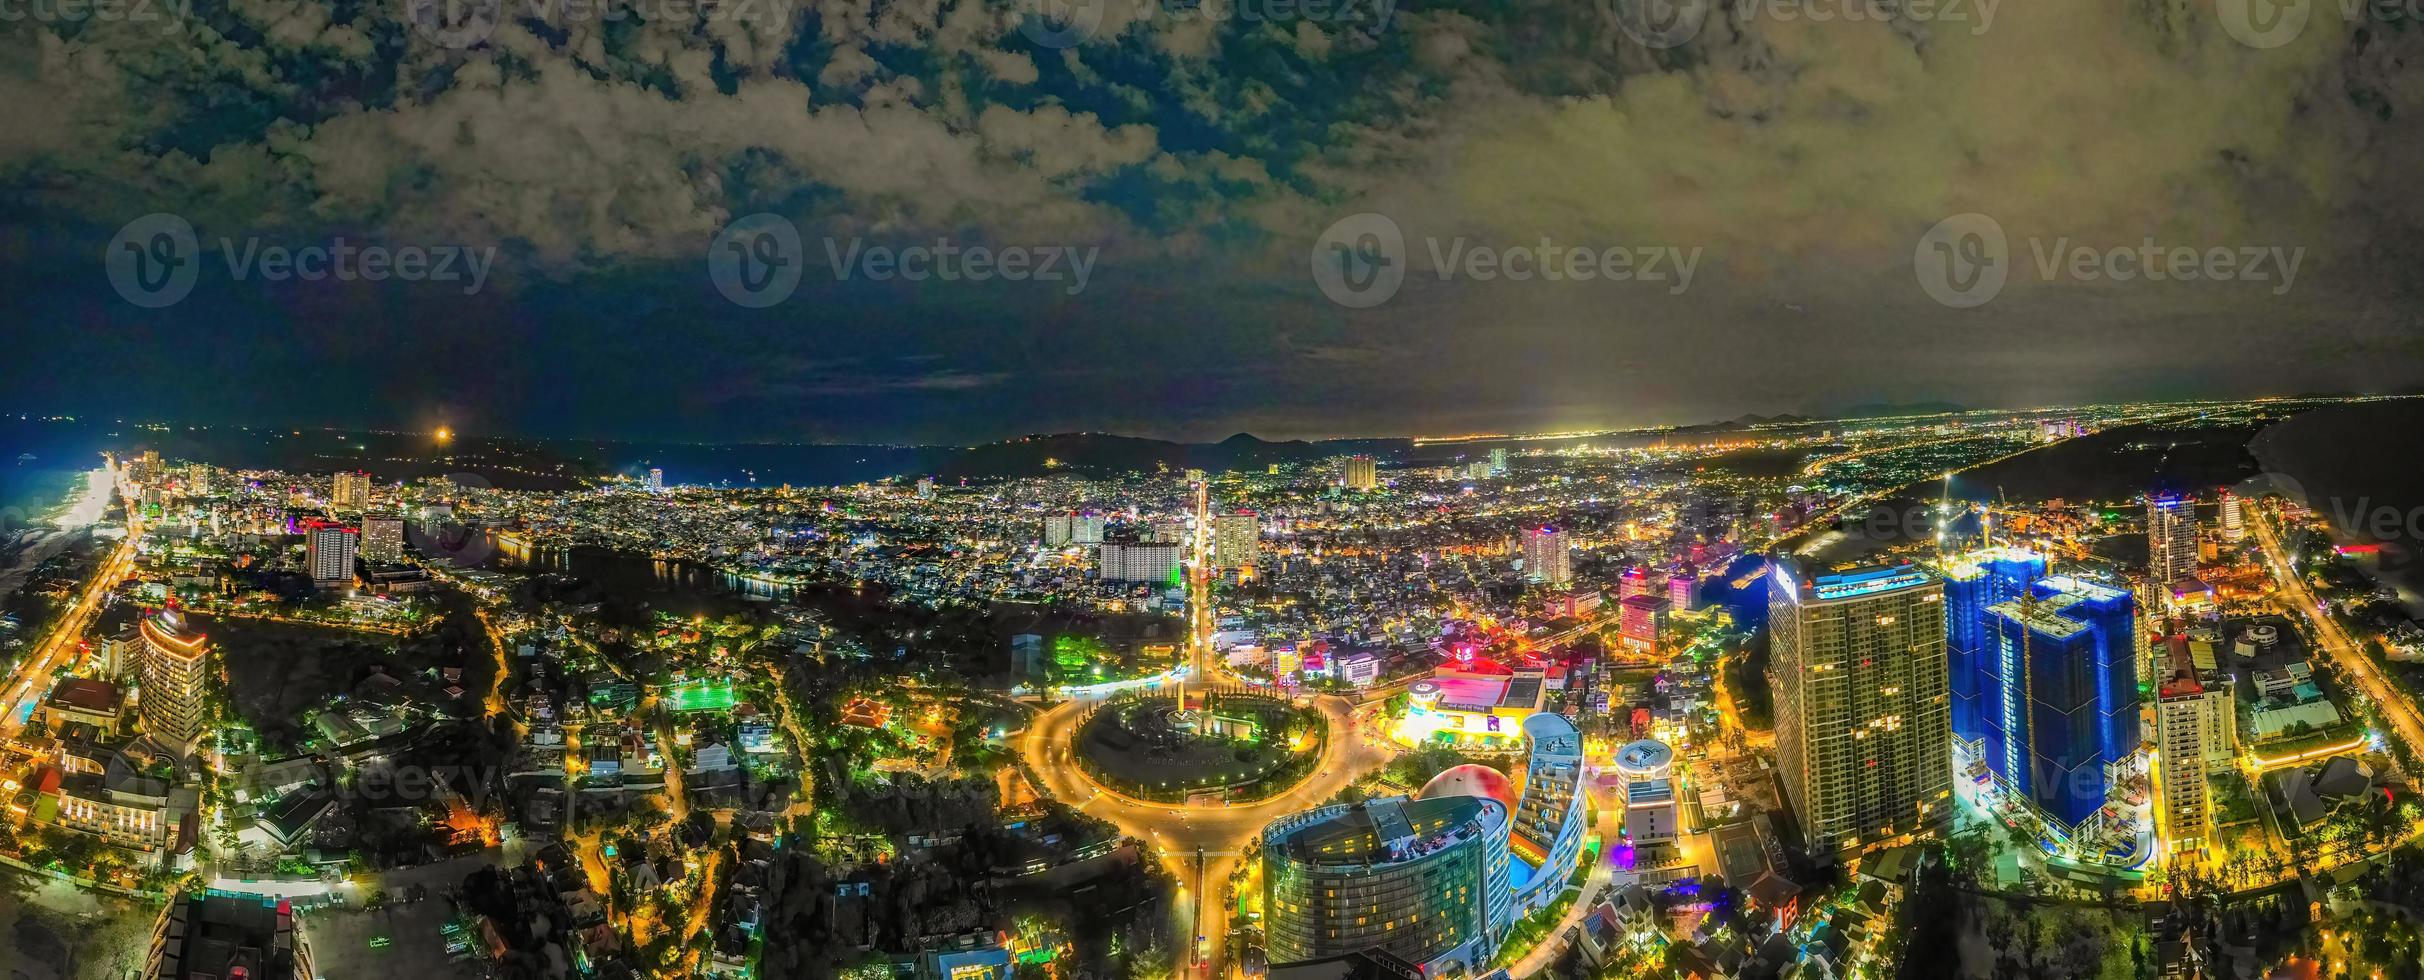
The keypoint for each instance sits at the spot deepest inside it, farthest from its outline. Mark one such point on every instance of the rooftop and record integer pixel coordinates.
(166, 633)
(1390, 830)
(1855, 584)
(227, 936)
(2043, 615)
(86, 694)
(2185, 679)
(1973, 564)
(2083, 588)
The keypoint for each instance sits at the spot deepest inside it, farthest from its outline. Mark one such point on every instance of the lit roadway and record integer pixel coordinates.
(2352, 659)
(1545, 953)
(1219, 832)
(2354, 664)
(32, 679)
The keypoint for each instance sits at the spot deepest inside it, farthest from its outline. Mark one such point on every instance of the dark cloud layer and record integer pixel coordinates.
(1198, 153)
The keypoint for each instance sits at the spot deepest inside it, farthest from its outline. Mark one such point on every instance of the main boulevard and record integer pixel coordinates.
(34, 673)
(1201, 845)
(33, 677)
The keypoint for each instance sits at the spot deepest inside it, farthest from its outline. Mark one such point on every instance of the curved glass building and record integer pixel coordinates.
(1415, 877)
(176, 681)
(1436, 879)
(1549, 824)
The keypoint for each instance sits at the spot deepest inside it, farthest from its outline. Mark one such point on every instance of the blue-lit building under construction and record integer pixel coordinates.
(1975, 581)
(2059, 693)
(2044, 677)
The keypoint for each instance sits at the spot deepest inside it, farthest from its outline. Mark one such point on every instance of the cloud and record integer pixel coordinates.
(1778, 141)
(1205, 154)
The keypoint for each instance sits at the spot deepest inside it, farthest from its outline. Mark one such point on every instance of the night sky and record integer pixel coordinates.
(1198, 158)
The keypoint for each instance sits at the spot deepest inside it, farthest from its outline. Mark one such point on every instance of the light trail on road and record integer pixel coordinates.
(2344, 651)
(1179, 831)
(22, 685)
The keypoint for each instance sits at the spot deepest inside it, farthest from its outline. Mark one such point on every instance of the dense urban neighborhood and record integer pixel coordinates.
(1776, 698)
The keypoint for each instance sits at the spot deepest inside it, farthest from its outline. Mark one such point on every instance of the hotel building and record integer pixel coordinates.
(2195, 732)
(1549, 821)
(219, 935)
(1424, 879)
(1436, 879)
(2171, 538)
(1863, 704)
(1236, 539)
(176, 676)
(1646, 768)
(329, 554)
(1972, 582)
(1361, 473)
(1545, 557)
(1137, 562)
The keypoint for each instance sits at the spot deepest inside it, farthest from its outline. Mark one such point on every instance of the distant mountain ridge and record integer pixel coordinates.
(1741, 422)
(1879, 410)
(1090, 453)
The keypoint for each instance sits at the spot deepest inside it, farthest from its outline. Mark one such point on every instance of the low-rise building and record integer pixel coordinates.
(228, 936)
(288, 823)
(78, 700)
(126, 807)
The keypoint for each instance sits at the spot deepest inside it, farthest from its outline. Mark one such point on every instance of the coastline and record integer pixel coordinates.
(2347, 463)
(77, 503)
(38, 493)
(85, 502)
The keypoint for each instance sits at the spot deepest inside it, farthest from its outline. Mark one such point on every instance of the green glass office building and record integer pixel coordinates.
(1424, 879)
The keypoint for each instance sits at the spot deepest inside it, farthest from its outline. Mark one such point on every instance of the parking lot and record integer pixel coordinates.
(341, 942)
